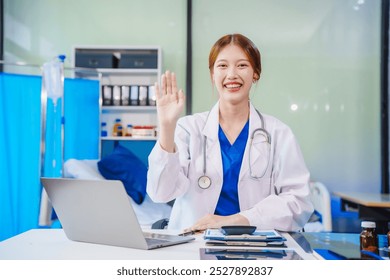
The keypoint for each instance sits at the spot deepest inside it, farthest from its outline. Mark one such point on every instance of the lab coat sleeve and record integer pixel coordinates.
(166, 179)
(288, 207)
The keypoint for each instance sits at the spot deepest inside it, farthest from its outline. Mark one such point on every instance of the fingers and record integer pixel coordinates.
(213, 221)
(163, 84)
(169, 87)
(169, 83)
(203, 223)
(161, 91)
(174, 83)
(168, 79)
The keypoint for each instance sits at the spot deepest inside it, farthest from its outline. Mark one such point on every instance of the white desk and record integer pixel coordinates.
(52, 244)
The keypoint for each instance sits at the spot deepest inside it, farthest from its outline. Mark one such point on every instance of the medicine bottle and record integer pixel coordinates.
(368, 238)
(103, 130)
(115, 129)
(119, 131)
(129, 130)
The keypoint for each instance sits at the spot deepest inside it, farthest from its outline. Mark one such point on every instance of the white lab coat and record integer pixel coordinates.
(279, 200)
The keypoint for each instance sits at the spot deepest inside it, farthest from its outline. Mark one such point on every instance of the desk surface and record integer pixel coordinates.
(345, 244)
(52, 244)
(366, 199)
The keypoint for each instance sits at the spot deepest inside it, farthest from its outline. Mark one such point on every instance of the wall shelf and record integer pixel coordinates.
(127, 78)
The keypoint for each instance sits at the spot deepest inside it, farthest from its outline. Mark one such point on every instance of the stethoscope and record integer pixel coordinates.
(204, 181)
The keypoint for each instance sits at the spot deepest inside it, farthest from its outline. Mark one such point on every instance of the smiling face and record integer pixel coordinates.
(233, 75)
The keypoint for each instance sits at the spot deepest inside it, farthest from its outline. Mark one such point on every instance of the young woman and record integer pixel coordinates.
(231, 165)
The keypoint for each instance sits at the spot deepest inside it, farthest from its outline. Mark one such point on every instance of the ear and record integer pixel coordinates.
(255, 77)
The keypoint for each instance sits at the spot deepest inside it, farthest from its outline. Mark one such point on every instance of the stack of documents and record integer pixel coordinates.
(232, 253)
(259, 238)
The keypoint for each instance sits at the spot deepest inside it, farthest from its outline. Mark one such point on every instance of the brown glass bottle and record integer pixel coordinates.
(368, 238)
(116, 131)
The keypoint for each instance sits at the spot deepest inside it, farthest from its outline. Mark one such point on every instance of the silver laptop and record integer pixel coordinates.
(99, 211)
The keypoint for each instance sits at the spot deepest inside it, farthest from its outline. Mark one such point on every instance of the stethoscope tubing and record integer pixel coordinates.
(267, 136)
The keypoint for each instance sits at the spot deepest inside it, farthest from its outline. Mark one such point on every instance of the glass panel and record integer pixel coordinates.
(321, 63)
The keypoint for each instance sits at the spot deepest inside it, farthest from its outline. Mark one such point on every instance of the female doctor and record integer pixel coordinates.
(231, 165)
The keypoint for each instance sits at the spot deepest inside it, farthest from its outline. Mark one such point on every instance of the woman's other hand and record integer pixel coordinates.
(216, 221)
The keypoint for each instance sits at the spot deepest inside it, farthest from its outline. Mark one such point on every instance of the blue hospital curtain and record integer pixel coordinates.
(20, 140)
(82, 125)
(20, 109)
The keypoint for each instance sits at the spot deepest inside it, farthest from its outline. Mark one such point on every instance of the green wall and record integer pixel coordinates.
(320, 57)
(37, 30)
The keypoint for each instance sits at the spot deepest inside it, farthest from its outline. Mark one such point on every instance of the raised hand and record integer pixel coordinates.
(170, 103)
(170, 100)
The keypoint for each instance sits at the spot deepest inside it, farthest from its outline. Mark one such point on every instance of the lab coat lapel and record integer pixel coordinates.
(213, 149)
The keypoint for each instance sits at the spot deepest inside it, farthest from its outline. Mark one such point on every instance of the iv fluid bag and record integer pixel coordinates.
(52, 80)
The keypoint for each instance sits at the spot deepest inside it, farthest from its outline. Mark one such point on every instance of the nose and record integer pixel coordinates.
(231, 73)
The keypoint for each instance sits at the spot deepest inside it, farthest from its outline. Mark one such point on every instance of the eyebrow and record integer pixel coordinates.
(225, 60)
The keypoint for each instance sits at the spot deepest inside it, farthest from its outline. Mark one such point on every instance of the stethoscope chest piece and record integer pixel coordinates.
(204, 182)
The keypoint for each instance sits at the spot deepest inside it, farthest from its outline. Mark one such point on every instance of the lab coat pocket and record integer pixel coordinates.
(252, 191)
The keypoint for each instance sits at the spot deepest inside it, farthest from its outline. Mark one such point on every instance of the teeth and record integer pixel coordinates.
(233, 86)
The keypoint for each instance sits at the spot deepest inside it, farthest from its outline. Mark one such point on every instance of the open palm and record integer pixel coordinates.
(170, 100)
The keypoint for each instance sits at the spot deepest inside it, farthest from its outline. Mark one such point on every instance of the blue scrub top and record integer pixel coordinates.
(232, 155)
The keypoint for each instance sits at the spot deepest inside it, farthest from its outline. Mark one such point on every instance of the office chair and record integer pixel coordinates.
(320, 197)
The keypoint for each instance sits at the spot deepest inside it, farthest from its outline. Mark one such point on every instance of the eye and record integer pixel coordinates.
(243, 65)
(221, 65)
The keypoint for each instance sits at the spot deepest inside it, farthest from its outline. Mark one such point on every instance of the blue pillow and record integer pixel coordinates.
(123, 165)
